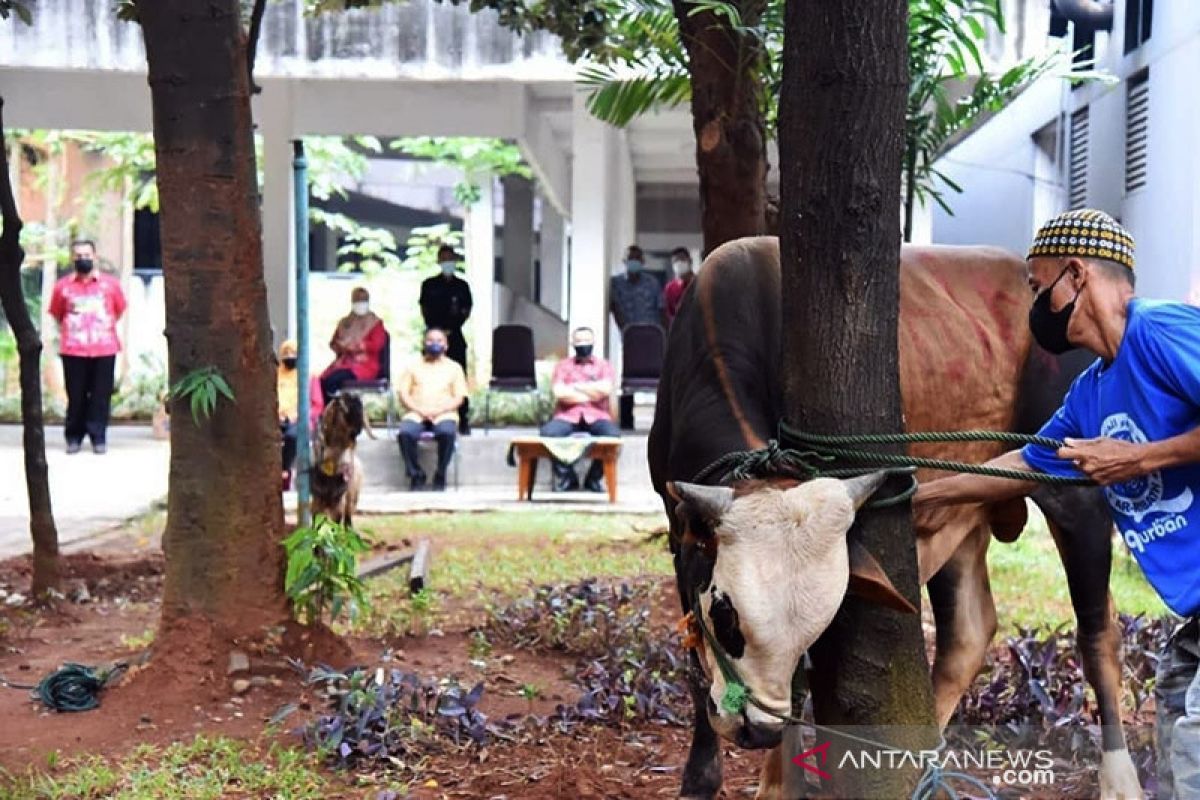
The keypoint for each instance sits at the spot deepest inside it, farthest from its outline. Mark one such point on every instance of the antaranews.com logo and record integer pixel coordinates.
(1015, 768)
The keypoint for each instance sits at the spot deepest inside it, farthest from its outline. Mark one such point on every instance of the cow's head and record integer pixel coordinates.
(780, 566)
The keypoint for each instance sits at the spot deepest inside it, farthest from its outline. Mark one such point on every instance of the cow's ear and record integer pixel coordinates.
(870, 582)
(700, 507)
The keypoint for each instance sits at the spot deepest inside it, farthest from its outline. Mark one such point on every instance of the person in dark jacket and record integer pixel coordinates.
(446, 305)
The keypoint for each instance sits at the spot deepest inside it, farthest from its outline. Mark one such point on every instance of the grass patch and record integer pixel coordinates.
(1030, 586)
(495, 556)
(206, 768)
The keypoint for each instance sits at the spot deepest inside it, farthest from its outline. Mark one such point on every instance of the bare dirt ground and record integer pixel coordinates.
(110, 613)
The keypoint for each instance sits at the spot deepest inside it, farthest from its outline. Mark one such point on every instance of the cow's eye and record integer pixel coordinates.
(725, 624)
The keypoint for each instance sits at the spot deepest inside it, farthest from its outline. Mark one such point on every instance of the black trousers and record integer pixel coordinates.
(89, 395)
(288, 431)
(560, 427)
(332, 383)
(456, 351)
(410, 435)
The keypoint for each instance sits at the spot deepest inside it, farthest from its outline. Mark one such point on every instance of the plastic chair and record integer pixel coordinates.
(643, 348)
(380, 385)
(512, 368)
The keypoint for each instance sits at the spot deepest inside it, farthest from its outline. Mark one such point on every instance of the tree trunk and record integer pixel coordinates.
(224, 562)
(29, 346)
(841, 133)
(731, 142)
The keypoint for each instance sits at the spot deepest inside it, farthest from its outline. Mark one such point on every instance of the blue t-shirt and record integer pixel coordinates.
(1150, 392)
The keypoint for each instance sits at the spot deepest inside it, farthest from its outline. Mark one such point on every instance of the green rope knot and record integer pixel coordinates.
(76, 687)
(735, 698)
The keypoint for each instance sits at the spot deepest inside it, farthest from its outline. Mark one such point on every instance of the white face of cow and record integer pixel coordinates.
(780, 575)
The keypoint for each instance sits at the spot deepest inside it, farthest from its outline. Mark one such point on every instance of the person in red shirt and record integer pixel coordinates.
(87, 305)
(582, 388)
(681, 263)
(358, 342)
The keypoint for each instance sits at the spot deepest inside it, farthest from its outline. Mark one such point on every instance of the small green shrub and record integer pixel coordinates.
(322, 570)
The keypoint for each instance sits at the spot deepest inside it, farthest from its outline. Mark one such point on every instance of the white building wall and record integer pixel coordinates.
(1010, 187)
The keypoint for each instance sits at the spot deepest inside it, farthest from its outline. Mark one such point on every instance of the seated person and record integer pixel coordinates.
(432, 390)
(287, 386)
(358, 342)
(582, 388)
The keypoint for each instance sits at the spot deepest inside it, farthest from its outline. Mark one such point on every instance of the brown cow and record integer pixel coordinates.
(966, 362)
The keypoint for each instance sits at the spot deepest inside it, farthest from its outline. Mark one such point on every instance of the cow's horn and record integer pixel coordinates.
(861, 488)
(710, 502)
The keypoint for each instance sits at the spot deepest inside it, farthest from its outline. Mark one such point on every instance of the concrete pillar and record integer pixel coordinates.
(278, 228)
(517, 239)
(479, 240)
(551, 253)
(591, 254)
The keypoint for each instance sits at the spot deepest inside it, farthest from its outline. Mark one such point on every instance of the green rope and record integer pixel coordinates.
(809, 455)
(76, 687)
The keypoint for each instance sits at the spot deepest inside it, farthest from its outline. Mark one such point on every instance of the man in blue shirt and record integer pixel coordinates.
(1131, 422)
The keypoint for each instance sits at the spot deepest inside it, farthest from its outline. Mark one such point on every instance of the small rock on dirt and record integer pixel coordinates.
(259, 680)
(238, 662)
(241, 686)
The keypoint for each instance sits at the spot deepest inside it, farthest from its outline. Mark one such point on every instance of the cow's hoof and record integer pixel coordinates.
(1118, 777)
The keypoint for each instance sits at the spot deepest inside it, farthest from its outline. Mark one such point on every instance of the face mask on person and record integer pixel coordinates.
(681, 266)
(583, 352)
(433, 349)
(288, 363)
(1049, 327)
(361, 308)
(83, 265)
(633, 265)
(447, 267)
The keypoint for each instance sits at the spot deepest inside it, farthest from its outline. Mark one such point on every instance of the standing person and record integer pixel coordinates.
(358, 343)
(432, 390)
(287, 387)
(582, 388)
(1129, 422)
(87, 305)
(681, 265)
(633, 298)
(446, 305)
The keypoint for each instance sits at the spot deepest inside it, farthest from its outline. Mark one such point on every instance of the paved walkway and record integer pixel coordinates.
(92, 494)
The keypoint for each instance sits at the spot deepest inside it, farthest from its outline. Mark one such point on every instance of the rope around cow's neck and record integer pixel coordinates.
(802, 455)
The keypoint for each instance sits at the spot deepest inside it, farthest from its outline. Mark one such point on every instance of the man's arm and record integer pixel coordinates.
(404, 388)
(976, 488)
(1109, 461)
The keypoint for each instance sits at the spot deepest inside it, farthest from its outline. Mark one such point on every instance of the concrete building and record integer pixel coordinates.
(1126, 145)
(418, 68)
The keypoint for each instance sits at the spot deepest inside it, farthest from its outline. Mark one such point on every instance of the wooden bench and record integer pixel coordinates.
(529, 449)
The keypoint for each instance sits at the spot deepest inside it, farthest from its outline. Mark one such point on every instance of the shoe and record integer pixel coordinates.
(417, 483)
(567, 483)
(73, 448)
(439, 483)
(594, 485)
(99, 448)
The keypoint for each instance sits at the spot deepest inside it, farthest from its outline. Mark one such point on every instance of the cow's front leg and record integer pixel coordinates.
(702, 772)
(966, 621)
(1082, 528)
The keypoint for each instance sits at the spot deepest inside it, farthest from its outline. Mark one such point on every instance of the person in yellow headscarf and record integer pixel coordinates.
(288, 387)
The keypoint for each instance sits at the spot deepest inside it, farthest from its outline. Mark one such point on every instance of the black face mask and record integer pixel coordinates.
(83, 265)
(583, 351)
(289, 363)
(1049, 327)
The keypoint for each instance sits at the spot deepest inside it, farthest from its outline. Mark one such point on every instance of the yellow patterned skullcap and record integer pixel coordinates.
(1084, 233)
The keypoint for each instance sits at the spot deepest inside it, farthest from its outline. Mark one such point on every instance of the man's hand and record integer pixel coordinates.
(1104, 460)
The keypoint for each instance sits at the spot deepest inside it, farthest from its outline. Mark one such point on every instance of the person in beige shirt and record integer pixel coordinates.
(431, 389)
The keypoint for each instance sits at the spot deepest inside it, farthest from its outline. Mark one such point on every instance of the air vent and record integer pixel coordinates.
(1077, 177)
(1137, 132)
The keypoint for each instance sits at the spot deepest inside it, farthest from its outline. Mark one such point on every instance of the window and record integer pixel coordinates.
(1137, 131)
(1138, 17)
(1078, 168)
